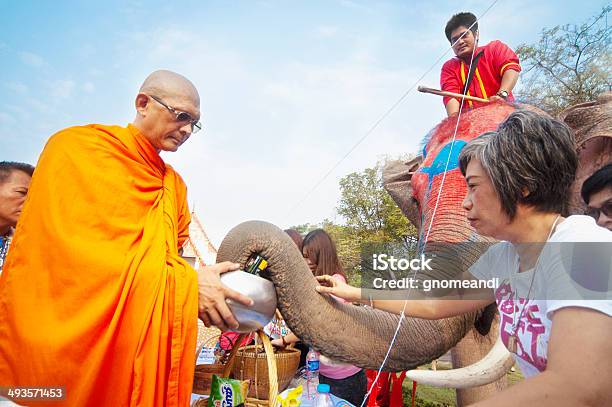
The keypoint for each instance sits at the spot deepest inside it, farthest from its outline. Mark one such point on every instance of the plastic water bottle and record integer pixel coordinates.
(312, 373)
(323, 399)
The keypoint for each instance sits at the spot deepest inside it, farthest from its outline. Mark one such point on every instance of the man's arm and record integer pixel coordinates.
(508, 82)
(450, 82)
(579, 371)
(506, 62)
(452, 107)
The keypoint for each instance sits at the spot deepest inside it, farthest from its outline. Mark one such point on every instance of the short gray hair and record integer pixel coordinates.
(529, 153)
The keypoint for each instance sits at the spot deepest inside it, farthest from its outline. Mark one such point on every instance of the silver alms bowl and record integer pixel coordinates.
(260, 290)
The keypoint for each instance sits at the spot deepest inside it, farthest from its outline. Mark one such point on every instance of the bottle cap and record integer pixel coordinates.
(323, 388)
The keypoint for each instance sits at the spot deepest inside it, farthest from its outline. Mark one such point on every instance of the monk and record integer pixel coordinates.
(94, 297)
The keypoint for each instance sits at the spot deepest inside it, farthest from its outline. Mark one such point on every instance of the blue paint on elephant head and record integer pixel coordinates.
(439, 164)
(437, 167)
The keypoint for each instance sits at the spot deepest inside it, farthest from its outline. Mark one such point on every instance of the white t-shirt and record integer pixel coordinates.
(573, 271)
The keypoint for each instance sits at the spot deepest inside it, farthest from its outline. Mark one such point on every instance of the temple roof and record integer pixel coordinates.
(198, 249)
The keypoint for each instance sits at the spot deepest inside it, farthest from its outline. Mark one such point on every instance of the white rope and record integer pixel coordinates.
(402, 315)
(452, 144)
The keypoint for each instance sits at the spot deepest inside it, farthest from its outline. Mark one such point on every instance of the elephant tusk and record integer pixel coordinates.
(487, 370)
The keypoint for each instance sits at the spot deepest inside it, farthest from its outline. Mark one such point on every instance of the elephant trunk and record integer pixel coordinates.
(356, 335)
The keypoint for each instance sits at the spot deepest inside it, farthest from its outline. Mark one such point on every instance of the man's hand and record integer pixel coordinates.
(212, 308)
(495, 98)
(330, 285)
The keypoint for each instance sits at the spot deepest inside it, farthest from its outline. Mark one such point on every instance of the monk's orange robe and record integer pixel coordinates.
(94, 295)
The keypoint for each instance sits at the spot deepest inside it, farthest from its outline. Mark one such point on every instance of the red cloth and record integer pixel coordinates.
(497, 58)
(397, 398)
(379, 397)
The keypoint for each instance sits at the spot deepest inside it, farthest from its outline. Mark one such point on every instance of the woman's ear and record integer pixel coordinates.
(525, 192)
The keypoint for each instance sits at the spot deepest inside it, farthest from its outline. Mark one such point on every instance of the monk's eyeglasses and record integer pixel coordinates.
(184, 117)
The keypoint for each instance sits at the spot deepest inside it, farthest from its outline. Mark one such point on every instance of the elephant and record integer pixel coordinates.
(429, 190)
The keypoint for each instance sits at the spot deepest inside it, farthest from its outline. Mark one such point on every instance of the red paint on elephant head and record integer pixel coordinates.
(449, 221)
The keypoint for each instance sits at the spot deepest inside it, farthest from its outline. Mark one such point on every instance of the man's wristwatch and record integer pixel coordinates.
(503, 94)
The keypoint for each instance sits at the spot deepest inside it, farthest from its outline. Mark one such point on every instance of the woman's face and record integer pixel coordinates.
(484, 209)
(311, 265)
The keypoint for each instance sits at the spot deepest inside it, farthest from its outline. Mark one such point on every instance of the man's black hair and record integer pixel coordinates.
(7, 167)
(464, 19)
(600, 179)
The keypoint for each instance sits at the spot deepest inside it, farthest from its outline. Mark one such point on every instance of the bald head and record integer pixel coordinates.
(166, 84)
(168, 107)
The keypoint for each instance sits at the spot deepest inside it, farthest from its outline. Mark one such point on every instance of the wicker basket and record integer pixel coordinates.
(252, 363)
(202, 377)
(269, 372)
(203, 373)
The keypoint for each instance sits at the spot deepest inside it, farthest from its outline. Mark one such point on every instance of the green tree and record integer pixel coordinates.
(570, 64)
(371, 216)
(369, 210)
(304, 228)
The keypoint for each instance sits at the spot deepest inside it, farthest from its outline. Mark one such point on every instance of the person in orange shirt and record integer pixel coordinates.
(94, 298)
(488, 72)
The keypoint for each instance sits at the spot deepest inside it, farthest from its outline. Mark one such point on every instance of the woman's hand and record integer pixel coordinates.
(330, 285)
(286, 340)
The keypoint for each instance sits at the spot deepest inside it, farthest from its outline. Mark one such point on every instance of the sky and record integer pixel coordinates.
(288, 88)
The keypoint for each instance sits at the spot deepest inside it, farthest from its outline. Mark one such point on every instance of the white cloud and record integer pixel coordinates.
(31, 59)
(61, 89)
(352, 4)
(17, 87)
(6, 118)
(89, 87)
(326, 31)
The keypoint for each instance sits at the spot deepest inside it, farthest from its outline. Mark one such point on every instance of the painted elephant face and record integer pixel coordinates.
(438, 185)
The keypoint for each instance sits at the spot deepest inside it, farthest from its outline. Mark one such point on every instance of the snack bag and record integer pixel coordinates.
(227, 392)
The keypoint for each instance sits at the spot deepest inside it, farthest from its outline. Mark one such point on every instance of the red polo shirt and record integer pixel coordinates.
(497, 58)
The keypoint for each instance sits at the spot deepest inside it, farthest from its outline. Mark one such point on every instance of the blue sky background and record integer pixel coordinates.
(287, 87)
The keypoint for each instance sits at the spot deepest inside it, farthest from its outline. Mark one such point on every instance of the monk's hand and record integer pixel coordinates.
(212, 307)
(331, 285)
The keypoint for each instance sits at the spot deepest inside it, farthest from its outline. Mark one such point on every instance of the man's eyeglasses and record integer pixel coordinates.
(606, 209)
(184, 117)
(456, 38)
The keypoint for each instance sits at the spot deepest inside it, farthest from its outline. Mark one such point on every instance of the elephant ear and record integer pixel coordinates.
(397, 175)
(592, 126)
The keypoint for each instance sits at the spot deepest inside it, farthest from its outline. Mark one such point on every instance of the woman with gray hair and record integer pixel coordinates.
(519, 180)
